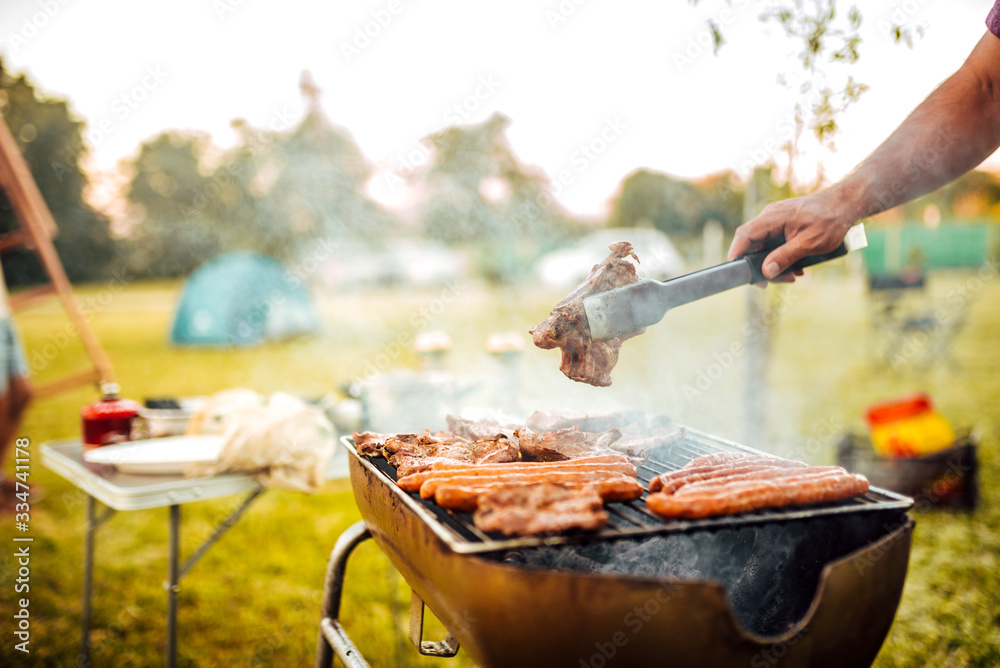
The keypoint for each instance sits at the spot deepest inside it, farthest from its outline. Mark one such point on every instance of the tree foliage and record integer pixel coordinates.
(172, 236)
(675, 206)
(274, 193)
(824, 38)
(478, 193)
(319, 176)
(972, 197)
(51, 141)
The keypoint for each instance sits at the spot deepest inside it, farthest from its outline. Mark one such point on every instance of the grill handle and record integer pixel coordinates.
(755, 260)
(333, 639)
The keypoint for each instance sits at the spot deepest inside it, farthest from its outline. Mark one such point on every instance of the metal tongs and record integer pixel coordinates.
(645, 302)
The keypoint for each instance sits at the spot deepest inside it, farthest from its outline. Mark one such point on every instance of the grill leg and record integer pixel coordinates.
(332, 637)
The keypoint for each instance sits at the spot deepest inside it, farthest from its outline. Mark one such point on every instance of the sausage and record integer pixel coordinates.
(674, 480)
(615, 463)
(415, 481)
(660, 481)
(514, 474)
(465, 497)
(745, 496)
(763, 473)
(718, 458)
(429, 486)
(732, 457)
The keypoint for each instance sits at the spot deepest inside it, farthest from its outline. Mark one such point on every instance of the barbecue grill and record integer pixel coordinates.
(815, 586)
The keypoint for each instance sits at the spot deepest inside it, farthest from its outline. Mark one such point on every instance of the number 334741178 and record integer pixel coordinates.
(22, 460)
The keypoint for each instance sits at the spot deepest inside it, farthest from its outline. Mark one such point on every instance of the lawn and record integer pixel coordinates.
(254, 598)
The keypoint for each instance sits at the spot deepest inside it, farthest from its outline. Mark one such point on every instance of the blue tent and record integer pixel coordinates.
(242, 299)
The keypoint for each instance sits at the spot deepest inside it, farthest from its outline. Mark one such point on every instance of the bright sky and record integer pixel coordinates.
(609, 75)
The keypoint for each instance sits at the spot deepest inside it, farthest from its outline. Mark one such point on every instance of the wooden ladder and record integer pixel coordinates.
(37, 228)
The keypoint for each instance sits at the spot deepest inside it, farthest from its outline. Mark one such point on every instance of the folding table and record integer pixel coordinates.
(122, 491)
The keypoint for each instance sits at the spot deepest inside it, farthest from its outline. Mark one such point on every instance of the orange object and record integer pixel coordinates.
(908, 427)
(109, 420)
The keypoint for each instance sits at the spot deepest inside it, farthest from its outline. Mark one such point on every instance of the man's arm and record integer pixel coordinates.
(949, 133)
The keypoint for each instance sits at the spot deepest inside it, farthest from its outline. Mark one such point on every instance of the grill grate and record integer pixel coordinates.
(628, 519)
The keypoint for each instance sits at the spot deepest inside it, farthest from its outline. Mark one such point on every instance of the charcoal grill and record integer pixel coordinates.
(504, 614)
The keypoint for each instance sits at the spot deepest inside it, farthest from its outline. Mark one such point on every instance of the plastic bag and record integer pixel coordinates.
(286, 443)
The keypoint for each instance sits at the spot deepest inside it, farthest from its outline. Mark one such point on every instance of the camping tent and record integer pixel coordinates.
(242, 299)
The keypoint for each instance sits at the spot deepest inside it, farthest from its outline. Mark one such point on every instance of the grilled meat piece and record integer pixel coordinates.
(635, 441)
(569, 443)
(733, 457)
(495, 449)
(638, 434)
(542, 422)
(474, 430)
(370, 443)
(410, 456)
(583, 359)
(420, 444)
(464, 497)
(408, 465)
(542, 508)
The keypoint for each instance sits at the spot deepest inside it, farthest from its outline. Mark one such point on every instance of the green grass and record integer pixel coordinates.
(254, 598)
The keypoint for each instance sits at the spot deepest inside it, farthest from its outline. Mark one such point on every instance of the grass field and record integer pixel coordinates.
(254, 599)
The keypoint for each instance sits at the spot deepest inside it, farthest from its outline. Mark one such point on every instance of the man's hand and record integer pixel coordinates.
(959, 123)
(812, 225)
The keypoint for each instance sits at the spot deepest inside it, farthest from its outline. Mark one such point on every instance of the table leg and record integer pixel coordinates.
(90, 530)
(174, 548)
(88, 568)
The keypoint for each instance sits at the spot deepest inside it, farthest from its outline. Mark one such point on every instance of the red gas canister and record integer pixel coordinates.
(109, 420)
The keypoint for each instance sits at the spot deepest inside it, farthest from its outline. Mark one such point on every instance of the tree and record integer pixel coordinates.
(825, 37)
(274, 193)
(722, 197)
(310, 184)
(478, 193)
(668, 204)
(52, 143)
(973, 196)
(675, 206)
(170, 199)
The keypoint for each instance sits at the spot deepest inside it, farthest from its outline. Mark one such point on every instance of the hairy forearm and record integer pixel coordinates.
(952, 131)
(949, 133)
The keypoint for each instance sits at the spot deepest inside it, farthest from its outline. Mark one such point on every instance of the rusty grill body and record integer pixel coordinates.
(846, 585)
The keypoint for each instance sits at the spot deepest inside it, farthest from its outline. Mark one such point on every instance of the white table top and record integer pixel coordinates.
(123, 491)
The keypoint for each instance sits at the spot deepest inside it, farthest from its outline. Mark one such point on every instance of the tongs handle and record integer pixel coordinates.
(755, 259)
